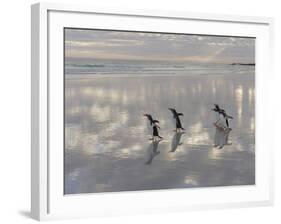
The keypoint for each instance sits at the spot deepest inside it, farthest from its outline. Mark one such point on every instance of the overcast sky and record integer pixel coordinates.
(97, 44)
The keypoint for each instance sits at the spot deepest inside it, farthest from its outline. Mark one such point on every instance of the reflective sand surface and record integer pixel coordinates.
(107, 146)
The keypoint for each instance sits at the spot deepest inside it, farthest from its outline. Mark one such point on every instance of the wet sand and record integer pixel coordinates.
(107, 146)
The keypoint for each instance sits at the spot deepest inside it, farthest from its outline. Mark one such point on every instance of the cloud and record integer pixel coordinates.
(108, 43)
(157, 46)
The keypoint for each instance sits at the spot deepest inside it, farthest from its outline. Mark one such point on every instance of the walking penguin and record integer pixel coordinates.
(154, 125)
(176, 117)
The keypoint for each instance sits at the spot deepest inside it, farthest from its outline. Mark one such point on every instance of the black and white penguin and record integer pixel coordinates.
(153, 126)
(176, 116)
(226, 117)
(218, 111)
(222, 112)
(222, 127)
(150, 119)
(217, 108)
(155, 132)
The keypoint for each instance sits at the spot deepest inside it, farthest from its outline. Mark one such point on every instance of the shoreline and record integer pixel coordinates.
(100, 76)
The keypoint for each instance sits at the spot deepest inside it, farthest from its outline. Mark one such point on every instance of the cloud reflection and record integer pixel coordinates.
(106, 138)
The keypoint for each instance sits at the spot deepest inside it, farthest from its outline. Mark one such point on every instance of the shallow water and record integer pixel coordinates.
(107, 146)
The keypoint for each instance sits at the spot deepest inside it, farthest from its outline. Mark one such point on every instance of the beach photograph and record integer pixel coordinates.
(157, 111)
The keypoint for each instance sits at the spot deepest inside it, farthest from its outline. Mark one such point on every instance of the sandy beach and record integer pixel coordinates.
(107, 146)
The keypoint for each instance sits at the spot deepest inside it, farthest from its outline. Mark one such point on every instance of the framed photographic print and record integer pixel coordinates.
(161, 111)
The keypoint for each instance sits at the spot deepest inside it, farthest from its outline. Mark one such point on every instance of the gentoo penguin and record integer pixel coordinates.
(176, 116)
(155, 132)
(222, 127)
(217, 108)
(150, 119)
(226, 117)
(228, 129)
(153, 124)
(221, 111)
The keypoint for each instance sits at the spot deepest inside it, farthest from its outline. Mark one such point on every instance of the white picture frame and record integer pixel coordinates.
(48, 201)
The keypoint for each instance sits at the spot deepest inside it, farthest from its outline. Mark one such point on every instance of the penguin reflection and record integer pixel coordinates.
(152, 151)
(176, 141)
